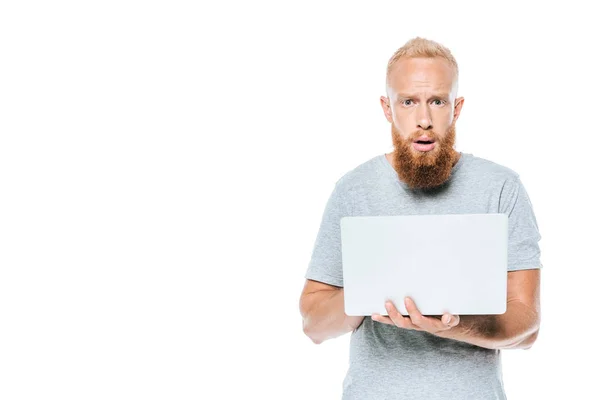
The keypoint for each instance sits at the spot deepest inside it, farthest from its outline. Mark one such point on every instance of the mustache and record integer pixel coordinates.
(417, 134)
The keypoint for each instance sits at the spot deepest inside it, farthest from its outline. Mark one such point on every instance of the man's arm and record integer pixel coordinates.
(322, 310)
(517, 328)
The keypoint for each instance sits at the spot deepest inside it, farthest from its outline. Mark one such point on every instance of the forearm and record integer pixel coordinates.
(324, 317)
(516, 328)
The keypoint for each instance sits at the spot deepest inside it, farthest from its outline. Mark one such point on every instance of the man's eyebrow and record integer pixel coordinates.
(443, 96)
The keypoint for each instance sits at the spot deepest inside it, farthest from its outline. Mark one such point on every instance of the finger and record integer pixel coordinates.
(382, 319)
(450, 321)
(399, 320)
(430, 324)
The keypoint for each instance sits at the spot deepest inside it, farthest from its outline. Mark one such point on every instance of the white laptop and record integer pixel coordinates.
(455, 263)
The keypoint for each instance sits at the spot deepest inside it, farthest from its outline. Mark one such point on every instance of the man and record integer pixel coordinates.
(423, 357)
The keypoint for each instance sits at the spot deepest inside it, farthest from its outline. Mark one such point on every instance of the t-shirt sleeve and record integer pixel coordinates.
(325, 264)
(523, 232)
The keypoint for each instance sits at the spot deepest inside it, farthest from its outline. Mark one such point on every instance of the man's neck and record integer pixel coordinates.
(457, 156)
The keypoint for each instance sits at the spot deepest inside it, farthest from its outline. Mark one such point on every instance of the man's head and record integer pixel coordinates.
(421, 105)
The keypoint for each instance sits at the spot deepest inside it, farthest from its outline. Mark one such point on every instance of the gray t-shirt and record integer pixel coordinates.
(387, 362)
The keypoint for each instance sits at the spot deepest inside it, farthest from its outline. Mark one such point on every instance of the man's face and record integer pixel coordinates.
(421, 108)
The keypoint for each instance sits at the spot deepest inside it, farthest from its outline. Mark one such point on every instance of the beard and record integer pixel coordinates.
(424, 170)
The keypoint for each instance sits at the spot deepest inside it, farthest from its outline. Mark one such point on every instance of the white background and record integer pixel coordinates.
(164, 167)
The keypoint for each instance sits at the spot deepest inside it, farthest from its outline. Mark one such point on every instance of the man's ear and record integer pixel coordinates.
(387, 110)
(458, 103)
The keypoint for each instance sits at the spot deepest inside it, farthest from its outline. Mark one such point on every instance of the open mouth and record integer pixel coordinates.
(424, 145)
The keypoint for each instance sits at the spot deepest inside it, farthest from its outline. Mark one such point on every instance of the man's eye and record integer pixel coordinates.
(404, 102)
(438, 102)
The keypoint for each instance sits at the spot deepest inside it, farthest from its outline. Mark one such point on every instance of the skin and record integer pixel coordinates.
(416, 320)
(421, 100)
(421, 93)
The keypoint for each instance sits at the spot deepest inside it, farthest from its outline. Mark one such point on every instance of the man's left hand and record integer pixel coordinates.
(416, 320)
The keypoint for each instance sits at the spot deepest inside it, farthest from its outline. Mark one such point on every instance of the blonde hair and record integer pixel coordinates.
(420, 47)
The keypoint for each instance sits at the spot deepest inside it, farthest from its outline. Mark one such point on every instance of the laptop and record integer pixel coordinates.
(454, 263)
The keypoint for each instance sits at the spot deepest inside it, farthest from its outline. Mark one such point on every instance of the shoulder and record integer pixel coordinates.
(484, 169)
(363, 174)
(501, 180)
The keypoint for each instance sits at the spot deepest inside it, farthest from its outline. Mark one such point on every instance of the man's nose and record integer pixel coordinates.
(424, 118)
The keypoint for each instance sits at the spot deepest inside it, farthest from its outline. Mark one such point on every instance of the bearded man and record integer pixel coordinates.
(417, 356)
